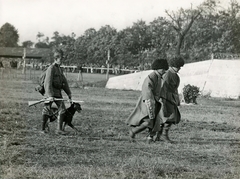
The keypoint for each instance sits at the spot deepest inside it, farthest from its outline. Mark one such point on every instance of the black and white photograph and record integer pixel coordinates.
(119, 89)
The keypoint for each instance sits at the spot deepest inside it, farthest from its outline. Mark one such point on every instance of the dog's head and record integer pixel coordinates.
(77, 106)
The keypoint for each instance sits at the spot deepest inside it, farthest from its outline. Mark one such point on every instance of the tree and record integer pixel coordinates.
(90, 33)
(200, 42)
(68, 48)
(41, 45)
(56, 39)
(229, 25)
(215, 33)
(8, 36)
(140, 38)
(81, 50)
(27, 44)
(162, 36)
(121, 48)
(182, 20)
(100, 44)
(39, 36)
(42, 42)
(81, 45)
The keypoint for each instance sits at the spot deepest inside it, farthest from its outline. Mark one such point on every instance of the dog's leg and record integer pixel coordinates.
(74, 128)
(44, 122)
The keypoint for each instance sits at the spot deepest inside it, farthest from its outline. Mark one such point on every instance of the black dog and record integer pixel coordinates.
(68, 116)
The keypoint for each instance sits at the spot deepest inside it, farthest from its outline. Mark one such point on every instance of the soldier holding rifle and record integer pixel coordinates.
(54, 83)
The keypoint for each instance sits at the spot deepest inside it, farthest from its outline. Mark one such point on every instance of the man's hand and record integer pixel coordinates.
(70, 98)
(49, 99)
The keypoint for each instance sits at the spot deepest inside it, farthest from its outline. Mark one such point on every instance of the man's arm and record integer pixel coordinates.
(148, 97)
(66, 87)
(48, 82)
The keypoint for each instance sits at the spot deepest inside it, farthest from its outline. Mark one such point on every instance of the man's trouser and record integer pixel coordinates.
(61, 110)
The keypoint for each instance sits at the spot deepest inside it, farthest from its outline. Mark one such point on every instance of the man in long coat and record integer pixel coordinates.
(169, 98)
(148, 106)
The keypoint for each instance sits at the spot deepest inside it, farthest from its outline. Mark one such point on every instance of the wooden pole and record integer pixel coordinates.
(80, 76)
(24, 61)
(107, 62)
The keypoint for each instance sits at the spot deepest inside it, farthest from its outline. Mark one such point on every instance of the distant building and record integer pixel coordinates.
(9, 56)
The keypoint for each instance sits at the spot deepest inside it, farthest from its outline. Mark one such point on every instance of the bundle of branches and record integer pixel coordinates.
(190, 93)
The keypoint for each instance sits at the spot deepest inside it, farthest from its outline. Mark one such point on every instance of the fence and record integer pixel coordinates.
(103, 70)
(34, 73)
(17, 74)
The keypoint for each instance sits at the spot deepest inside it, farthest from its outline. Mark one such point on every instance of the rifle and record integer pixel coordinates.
(32, 103)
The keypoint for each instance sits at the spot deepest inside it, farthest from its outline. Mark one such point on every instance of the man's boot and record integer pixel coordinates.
(60, 125)
(150, 136)
(137, 129)
(44, 123)
(166, 131)
(159, 133)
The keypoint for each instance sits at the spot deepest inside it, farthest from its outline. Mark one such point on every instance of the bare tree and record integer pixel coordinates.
(183, 19)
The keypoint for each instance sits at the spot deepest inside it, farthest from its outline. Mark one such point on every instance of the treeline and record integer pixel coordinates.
(195, 33)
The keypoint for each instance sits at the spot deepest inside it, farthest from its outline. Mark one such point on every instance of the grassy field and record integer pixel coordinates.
(207, 140)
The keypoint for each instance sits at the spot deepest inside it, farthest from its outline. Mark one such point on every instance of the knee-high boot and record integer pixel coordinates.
(159, 133)
(166, 131)
(44, 122)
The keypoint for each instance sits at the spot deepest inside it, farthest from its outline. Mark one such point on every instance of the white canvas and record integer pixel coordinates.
(217, 78)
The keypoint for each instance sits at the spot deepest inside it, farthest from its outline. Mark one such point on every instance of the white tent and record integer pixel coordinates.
(217, 78)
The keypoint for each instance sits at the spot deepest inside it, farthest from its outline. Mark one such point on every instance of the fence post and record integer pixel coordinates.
(107, 62)
(24, 61)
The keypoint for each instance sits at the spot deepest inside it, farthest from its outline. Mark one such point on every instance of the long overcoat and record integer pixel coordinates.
(148, 105)
(55, 82)
(169, 98)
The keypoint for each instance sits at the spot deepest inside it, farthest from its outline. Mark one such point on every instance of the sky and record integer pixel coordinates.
(66, 16)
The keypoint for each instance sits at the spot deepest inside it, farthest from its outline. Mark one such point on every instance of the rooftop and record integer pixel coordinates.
(17, 52)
